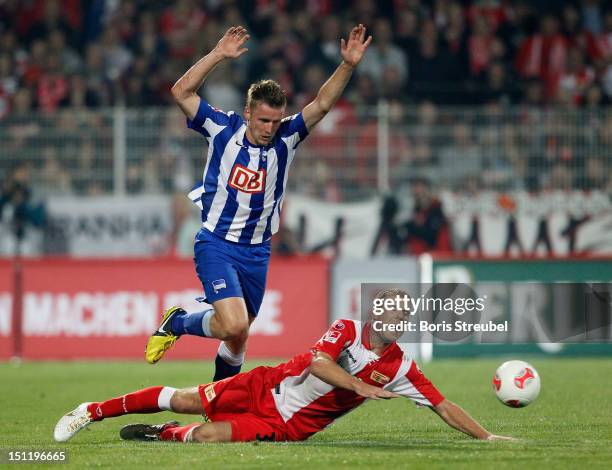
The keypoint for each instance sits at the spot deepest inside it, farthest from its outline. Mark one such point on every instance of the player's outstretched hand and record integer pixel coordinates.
(375, 393)
(230, 45)
(495, 437)
(352, 50)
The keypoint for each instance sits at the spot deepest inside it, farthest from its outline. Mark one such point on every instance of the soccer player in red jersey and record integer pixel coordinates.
(349, 364)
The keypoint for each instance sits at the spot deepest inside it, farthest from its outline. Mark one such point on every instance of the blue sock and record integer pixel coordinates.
(196, 323)
(224, 370)
(227, 364)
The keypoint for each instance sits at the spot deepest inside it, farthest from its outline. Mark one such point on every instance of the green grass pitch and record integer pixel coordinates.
(569, 426)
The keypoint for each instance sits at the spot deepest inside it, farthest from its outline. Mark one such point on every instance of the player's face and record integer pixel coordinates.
(392, 317)
(262, 122)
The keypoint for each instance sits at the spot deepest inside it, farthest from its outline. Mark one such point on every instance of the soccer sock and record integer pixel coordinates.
(148, 400)
(179, 433)
(196, 323)
(227, 364)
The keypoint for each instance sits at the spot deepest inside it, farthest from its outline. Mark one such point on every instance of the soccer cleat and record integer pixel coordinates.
(145, 432)
(163, 338)
(72, 422)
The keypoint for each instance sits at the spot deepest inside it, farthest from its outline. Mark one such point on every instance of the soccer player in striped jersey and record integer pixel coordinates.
(241, 195)
(352, 362)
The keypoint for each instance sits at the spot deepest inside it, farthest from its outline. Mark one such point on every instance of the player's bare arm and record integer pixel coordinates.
(352, 52)
(184, 91)
(456, 417)
(326, 369)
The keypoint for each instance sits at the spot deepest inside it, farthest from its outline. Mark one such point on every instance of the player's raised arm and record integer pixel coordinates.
(352, 51)
(458, 418)
(324, 367)
(185, 89)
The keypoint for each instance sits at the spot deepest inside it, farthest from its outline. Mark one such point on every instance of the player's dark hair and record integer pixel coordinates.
(266, 91)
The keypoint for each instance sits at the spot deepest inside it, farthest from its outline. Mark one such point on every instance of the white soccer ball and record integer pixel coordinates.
(516, 383)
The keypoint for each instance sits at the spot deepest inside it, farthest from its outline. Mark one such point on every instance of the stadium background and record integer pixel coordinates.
(495, 113)
(498, 110)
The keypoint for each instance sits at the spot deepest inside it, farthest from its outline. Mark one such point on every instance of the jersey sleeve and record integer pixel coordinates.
(414, 385)
(340, 335)
(293, 130)
(208, 119)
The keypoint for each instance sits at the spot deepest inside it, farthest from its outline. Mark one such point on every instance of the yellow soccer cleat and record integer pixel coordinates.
(163, 338)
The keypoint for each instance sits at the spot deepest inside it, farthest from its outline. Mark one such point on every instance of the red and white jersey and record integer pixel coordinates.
(307, 404)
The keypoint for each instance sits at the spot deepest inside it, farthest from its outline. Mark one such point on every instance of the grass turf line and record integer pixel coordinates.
(569, 426)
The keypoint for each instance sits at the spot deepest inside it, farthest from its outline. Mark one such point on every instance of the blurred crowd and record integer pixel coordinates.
(537, 75)
(73, 53)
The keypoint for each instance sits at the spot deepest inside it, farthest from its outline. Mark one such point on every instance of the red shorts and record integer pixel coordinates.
(246, 402)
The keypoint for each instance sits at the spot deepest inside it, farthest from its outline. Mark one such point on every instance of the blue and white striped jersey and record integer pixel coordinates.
(242, 190)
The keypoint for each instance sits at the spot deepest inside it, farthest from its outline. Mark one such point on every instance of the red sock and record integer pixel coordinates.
(142, 401)
(179, 433)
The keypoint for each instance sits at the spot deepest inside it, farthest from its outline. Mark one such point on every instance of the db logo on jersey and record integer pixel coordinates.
(246, 180)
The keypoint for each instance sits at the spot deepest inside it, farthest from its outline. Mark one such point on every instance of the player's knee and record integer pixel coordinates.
(234, 328)
(205, 433)
(186, 401)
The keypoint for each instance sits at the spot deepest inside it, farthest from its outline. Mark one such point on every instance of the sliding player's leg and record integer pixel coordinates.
(240, 409)
(148, 400)
(242, 427)
(194, 432)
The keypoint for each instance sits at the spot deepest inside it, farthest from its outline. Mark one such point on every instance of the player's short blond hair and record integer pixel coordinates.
(390, 293)
(266, 91)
